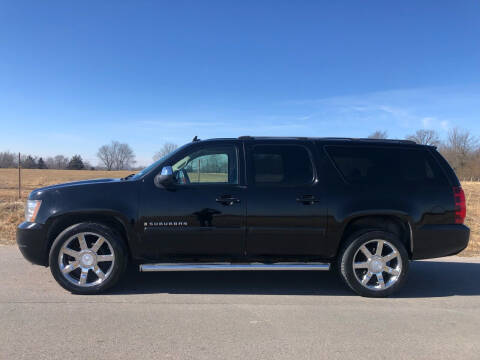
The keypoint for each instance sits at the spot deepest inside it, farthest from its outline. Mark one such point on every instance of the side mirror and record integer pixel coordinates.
(165, 178)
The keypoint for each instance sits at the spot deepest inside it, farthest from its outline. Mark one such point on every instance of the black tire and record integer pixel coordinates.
(351, 277)
(116, 269)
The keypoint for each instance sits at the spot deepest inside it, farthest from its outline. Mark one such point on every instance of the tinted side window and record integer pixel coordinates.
(282, 164)
(380, 165)
(209, 165)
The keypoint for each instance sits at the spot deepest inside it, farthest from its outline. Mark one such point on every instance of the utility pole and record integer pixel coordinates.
(19, 179)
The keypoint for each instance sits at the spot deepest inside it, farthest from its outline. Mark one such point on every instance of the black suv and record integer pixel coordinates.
(365, 207)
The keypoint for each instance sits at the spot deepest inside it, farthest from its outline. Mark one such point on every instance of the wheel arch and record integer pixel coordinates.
(111, 219)
(398, 224)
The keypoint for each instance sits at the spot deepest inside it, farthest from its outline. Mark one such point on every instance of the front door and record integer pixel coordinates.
(203, 213)
(286, 213)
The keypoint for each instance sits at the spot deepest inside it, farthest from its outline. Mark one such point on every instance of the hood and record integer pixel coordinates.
(73, 184)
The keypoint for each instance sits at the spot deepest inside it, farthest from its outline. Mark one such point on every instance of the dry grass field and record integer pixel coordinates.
(12, 209)
(472, 195)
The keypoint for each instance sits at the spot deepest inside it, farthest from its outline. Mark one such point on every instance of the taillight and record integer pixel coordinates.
(460, 205)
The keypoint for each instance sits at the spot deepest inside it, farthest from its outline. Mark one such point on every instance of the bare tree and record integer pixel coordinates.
(166, 149)
(7, 159)
(61, 162)
(57, 162)
(106, 154)
(88, 165)
(378, 135)
(50, 162)
(461, 151)
(116, 156)
(425, 137)
(125, 158)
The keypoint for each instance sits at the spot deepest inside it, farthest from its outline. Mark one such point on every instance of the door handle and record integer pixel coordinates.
(227, 200)
(307, 200)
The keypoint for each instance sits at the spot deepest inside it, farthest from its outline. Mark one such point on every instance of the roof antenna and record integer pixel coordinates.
(196, 138)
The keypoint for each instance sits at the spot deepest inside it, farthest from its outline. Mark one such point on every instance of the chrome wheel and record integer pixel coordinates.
(86, 259)
(377, 264)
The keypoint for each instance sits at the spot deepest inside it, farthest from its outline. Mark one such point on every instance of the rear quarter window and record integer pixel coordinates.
(282, 165)
(386, 165)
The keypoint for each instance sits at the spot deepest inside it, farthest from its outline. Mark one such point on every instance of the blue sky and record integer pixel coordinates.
(76, 75)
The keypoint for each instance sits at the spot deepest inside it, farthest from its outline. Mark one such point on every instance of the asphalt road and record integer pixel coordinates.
(240, 315)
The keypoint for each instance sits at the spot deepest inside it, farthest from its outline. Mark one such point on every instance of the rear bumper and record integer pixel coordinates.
(431, 241)
(32, 242)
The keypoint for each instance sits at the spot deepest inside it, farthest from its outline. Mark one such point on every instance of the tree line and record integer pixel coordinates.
(113, 156)
(10, 160)
(460, 148)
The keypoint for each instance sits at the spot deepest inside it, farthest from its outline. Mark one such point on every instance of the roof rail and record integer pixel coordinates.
(394, 141)
(335, 138)
(400, 141)
(248, 137)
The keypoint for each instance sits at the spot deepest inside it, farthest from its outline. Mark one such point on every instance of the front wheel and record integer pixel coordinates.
(88, 258)
(373, 264)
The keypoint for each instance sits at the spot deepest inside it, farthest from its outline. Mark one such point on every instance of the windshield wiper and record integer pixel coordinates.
(127, 177)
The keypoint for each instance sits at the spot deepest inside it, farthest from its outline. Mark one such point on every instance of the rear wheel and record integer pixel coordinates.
(373, 264)
(87, 258)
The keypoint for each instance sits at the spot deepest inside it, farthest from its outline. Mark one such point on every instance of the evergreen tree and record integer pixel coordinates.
(41, 164)
(76, 163)
(29, 163)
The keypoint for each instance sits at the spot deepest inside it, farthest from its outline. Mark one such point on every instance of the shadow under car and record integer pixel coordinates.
(425, 279)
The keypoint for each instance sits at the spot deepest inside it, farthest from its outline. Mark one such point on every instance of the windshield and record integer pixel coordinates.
(156, 163)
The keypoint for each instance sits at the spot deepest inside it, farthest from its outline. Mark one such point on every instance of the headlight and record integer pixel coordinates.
(31, 210)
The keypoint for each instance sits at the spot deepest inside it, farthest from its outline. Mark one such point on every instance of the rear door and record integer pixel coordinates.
(286, 215)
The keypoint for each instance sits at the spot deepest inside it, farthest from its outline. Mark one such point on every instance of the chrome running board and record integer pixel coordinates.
(232, 266)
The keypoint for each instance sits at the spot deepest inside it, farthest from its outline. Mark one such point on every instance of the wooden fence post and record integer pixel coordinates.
(19, 179)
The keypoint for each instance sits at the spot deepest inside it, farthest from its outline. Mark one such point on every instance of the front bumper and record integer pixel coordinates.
(432, 241)
(32, 242)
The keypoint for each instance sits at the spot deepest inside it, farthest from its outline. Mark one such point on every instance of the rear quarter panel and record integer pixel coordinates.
(417, 206)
